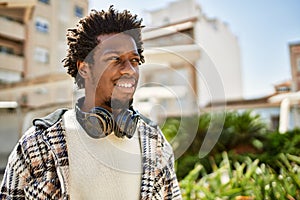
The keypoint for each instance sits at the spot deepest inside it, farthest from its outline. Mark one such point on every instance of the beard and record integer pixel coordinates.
(117, 104)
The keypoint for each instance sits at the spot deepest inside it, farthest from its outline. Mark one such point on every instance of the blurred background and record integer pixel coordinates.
(201, 56)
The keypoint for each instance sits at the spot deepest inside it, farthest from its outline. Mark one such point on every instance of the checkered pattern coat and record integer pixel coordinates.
(38, 166)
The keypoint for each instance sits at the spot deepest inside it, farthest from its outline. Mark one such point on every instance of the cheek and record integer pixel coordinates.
(105, 82)
(100, 76)
(137, 72)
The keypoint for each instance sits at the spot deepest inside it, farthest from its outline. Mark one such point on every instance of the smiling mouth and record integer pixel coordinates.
(126, 84)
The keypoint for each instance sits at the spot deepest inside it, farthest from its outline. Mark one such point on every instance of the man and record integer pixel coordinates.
(103, 148)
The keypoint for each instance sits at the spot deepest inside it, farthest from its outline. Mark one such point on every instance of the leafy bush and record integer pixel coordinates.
(239, 130)
(242, 129)
(250, 178)
(259, 163)
(276, 143)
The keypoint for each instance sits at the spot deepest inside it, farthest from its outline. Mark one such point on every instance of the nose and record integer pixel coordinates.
(128, 68)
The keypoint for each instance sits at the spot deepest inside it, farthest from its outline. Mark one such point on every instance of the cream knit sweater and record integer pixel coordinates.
(106, 168)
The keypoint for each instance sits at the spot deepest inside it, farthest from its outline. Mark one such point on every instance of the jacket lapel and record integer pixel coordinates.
(148, 146)
(54, 137)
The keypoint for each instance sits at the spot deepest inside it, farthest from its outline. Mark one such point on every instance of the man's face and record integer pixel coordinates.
(115, 73)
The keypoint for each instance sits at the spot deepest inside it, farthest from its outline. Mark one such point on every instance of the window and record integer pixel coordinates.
(166, 20)
(41, 55)
(6, 50)
(298, 64)
(7, 76)
(45, 1)
(283, 89)
(78, 11)
(42, 25)
(274, 122)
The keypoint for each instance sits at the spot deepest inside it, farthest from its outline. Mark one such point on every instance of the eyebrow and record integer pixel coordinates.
(107, 52)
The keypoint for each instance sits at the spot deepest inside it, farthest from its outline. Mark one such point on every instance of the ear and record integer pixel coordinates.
(82, 68)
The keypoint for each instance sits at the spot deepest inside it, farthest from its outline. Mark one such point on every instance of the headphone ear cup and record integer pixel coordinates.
(94, 126)
(104, 120)
(126, 123)
(98, 123)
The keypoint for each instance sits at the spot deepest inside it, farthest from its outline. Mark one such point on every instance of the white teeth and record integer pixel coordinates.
(126, 85)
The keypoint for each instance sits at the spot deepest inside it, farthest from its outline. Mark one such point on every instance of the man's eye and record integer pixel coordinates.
(115, 58)
(135, 60)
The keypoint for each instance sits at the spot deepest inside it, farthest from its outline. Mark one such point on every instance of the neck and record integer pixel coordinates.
(111, 105)
(90, 103)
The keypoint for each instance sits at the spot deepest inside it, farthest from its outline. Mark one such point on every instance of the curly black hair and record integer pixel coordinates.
(82, 39)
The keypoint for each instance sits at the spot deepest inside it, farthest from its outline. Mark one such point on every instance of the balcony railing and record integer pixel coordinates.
(11, 62)
(12, 29)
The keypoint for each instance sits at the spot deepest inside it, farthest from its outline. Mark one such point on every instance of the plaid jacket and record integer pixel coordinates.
(38, 166)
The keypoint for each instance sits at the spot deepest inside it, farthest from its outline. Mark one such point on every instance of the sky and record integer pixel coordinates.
(264, 29)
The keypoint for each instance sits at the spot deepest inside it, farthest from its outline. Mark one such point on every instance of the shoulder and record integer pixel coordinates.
(37, 132)
(155, 137)
(44, 129)
(148, 121)
(38, 149)
(36, 139)
(46, 134)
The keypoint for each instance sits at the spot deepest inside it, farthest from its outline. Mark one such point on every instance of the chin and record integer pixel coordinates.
(119, 103)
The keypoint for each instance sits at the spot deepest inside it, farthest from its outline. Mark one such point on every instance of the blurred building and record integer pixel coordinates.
(280, 110)
(32, 46)
(295, 64)
(194, 57)
(289, 117)
(33, 81)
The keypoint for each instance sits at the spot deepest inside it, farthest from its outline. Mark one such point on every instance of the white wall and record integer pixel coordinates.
(176, 11)
(219, 70)
(9, 133)
(220, 53)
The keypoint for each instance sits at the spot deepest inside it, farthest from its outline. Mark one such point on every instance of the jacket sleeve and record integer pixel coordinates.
(19, 181)
(171, 186)
(171, 189)
(14, 180)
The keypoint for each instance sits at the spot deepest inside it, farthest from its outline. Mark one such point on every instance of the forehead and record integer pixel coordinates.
(118, 42)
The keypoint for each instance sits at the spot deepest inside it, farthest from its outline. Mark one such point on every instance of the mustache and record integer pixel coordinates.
(127, 77)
